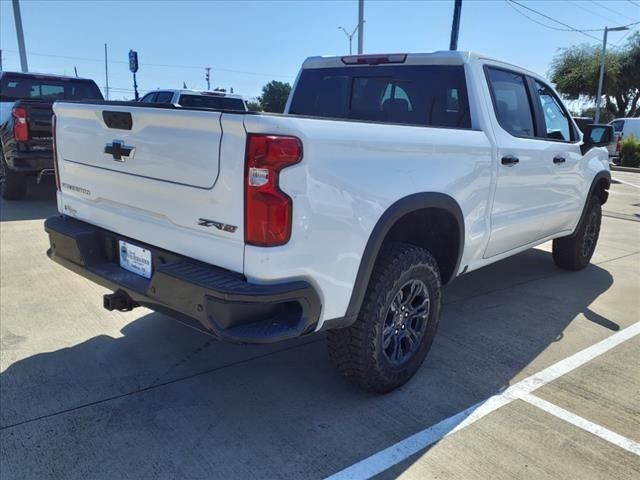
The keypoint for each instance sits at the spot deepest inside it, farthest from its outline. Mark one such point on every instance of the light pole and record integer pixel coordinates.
(17, 17)
(602, 59)
(349, 35)
(361, 27)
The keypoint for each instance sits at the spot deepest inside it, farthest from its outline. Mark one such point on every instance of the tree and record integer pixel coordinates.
(254, 105)
(274, 96)
(576, 70)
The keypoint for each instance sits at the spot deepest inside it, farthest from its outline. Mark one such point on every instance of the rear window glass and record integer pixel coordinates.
(427, 95)
(206, 101)
(16, 88)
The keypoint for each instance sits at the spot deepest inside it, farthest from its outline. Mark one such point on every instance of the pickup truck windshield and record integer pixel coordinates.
(205, 101)
(426, 95)
(21, 88)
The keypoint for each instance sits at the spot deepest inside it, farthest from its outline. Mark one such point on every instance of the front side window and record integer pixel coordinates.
(425, 95)
(557, 123)
(149, 97)
(511, 102)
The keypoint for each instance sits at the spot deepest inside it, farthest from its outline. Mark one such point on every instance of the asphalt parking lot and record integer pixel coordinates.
(534, 374)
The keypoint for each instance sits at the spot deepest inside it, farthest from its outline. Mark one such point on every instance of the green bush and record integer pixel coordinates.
(630, 152)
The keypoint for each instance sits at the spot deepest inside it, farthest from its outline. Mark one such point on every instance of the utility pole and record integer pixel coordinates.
(20, 34)
(106, 72)
(455, 26)
(0, 59)
(208, 78)
(360, 26)
(602, 62)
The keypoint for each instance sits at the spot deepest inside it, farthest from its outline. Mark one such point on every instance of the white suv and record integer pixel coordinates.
(197, 99)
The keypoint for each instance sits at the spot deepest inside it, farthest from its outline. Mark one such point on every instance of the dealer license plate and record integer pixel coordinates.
(135, 259)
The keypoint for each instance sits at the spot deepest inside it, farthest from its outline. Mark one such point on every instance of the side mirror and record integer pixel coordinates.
(597, 136)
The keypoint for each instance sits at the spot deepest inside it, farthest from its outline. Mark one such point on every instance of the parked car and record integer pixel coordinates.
(197, 99)
(623, 127)
(25, 124)
(387, 177)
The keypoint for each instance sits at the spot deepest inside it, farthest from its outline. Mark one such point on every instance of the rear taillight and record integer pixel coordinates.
(20, 126)
(268, 211)
(618, 144)
(55, 151)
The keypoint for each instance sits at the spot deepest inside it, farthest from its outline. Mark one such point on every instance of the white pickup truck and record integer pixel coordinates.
(387, 177)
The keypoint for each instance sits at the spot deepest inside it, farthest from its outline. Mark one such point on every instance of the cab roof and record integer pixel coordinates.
(441, 57)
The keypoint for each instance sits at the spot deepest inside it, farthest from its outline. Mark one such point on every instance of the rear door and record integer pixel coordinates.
(525, 204)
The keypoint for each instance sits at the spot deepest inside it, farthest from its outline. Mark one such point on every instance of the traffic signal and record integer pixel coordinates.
(133, 61)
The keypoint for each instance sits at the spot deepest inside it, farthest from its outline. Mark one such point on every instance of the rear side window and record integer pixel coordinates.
(426, 95)
(214, 102)
(164, 97)
(511, 102)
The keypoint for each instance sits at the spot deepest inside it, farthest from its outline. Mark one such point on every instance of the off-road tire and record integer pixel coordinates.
(357, 351)
(575, 252)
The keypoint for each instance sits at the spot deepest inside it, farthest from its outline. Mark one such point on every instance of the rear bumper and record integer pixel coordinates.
(29, 162)
(205, 296)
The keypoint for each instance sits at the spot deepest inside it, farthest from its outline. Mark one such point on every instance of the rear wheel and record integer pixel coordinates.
(13, 185)
(575, 252)
(397, 322)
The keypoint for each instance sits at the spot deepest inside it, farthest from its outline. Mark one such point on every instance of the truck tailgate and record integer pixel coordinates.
(155, 175)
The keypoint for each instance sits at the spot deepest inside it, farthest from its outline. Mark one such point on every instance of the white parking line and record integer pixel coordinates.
(384, 459)
(626, 183)
(583, 423)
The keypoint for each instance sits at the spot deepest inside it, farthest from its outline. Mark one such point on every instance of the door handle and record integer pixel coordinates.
(509, 160)
(559, 159)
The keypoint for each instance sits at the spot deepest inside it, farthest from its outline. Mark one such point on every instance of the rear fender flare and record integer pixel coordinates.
(399, 209)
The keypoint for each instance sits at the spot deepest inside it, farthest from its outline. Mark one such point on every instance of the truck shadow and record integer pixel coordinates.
(40, 203)
(164, 400)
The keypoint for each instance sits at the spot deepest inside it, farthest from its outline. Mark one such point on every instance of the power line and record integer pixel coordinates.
(583, 5)
(634, 3)
(612, 10)
(161, 65)
(570, 28)
(538, 22)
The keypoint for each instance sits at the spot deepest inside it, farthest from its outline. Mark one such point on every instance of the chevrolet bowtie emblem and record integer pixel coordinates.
(118, 150)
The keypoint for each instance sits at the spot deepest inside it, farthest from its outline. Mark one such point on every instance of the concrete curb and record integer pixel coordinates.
(624, 169)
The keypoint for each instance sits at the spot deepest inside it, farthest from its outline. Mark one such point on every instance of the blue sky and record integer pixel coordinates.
(248, 43)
